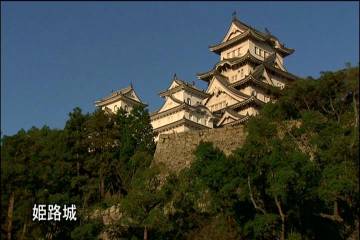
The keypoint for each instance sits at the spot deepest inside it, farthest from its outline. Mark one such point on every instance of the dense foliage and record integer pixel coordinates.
(90, 163)
(296, 176)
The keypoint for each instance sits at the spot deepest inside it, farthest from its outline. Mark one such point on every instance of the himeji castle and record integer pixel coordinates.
(251, 65)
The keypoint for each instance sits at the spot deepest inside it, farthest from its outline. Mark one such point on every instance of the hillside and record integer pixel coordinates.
(285, 181)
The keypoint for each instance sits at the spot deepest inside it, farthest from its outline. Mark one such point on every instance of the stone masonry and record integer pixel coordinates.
(175, 151)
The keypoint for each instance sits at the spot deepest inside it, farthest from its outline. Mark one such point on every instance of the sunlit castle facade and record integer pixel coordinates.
(125, 98)
(251, 63)
(182, 110)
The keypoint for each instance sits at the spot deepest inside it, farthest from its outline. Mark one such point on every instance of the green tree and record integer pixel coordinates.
(143, 206)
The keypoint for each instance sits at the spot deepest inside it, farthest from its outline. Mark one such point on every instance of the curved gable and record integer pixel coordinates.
(132, 94)
(173, 85)
(169, 103)
(234, 30)
(221, 96)
(227, 117)
(218, 85)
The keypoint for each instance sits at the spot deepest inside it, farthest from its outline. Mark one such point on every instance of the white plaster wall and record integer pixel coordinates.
(244, 46)
(132, 95)
(261, 45)
(118, 104)
(281, 59)
(236, 73)
(233, 32)
(260, 94)
(173, 84)
(169, 103)
(250, 110)
(267, 48)
(201, 118)
(177, 129)
(228, 120)
(194, 99)
(247, 90)
(278, 81)
(168, 119)
(219, 102)
(179, 95)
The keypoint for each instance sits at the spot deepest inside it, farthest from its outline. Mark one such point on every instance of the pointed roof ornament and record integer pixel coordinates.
(234, 15)
(267, 31)
(131, 84)
(175, 77)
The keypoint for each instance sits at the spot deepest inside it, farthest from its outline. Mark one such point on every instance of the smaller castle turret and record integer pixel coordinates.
(182, 110)
(125, 98)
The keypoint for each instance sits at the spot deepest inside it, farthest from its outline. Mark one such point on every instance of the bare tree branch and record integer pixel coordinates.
(253, 200)
(282, 216)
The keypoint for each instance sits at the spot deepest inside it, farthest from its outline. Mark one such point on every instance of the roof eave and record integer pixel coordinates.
(104, 102)
(218, 48)
(285, 51)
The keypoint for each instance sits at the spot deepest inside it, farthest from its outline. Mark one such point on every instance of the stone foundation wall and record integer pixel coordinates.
(175, 151)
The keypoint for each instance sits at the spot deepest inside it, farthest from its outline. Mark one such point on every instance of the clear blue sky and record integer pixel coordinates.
(59, 55)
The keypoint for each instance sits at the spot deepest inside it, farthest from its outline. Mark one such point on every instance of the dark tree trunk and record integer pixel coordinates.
(77, 164)
(355, 111)
(10, 215)
(22, 237)
(145, 233)
(102, 185)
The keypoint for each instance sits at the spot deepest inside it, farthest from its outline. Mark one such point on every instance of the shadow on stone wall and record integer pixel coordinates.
(176, 151)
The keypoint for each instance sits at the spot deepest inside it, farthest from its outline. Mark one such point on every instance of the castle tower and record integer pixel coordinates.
(251, 64)
(182, 110)
(125, 98)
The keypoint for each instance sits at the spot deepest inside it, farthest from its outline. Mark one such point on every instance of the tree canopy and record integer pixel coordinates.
(295, 177)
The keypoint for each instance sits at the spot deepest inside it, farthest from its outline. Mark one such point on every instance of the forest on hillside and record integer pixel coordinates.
(296, 176)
